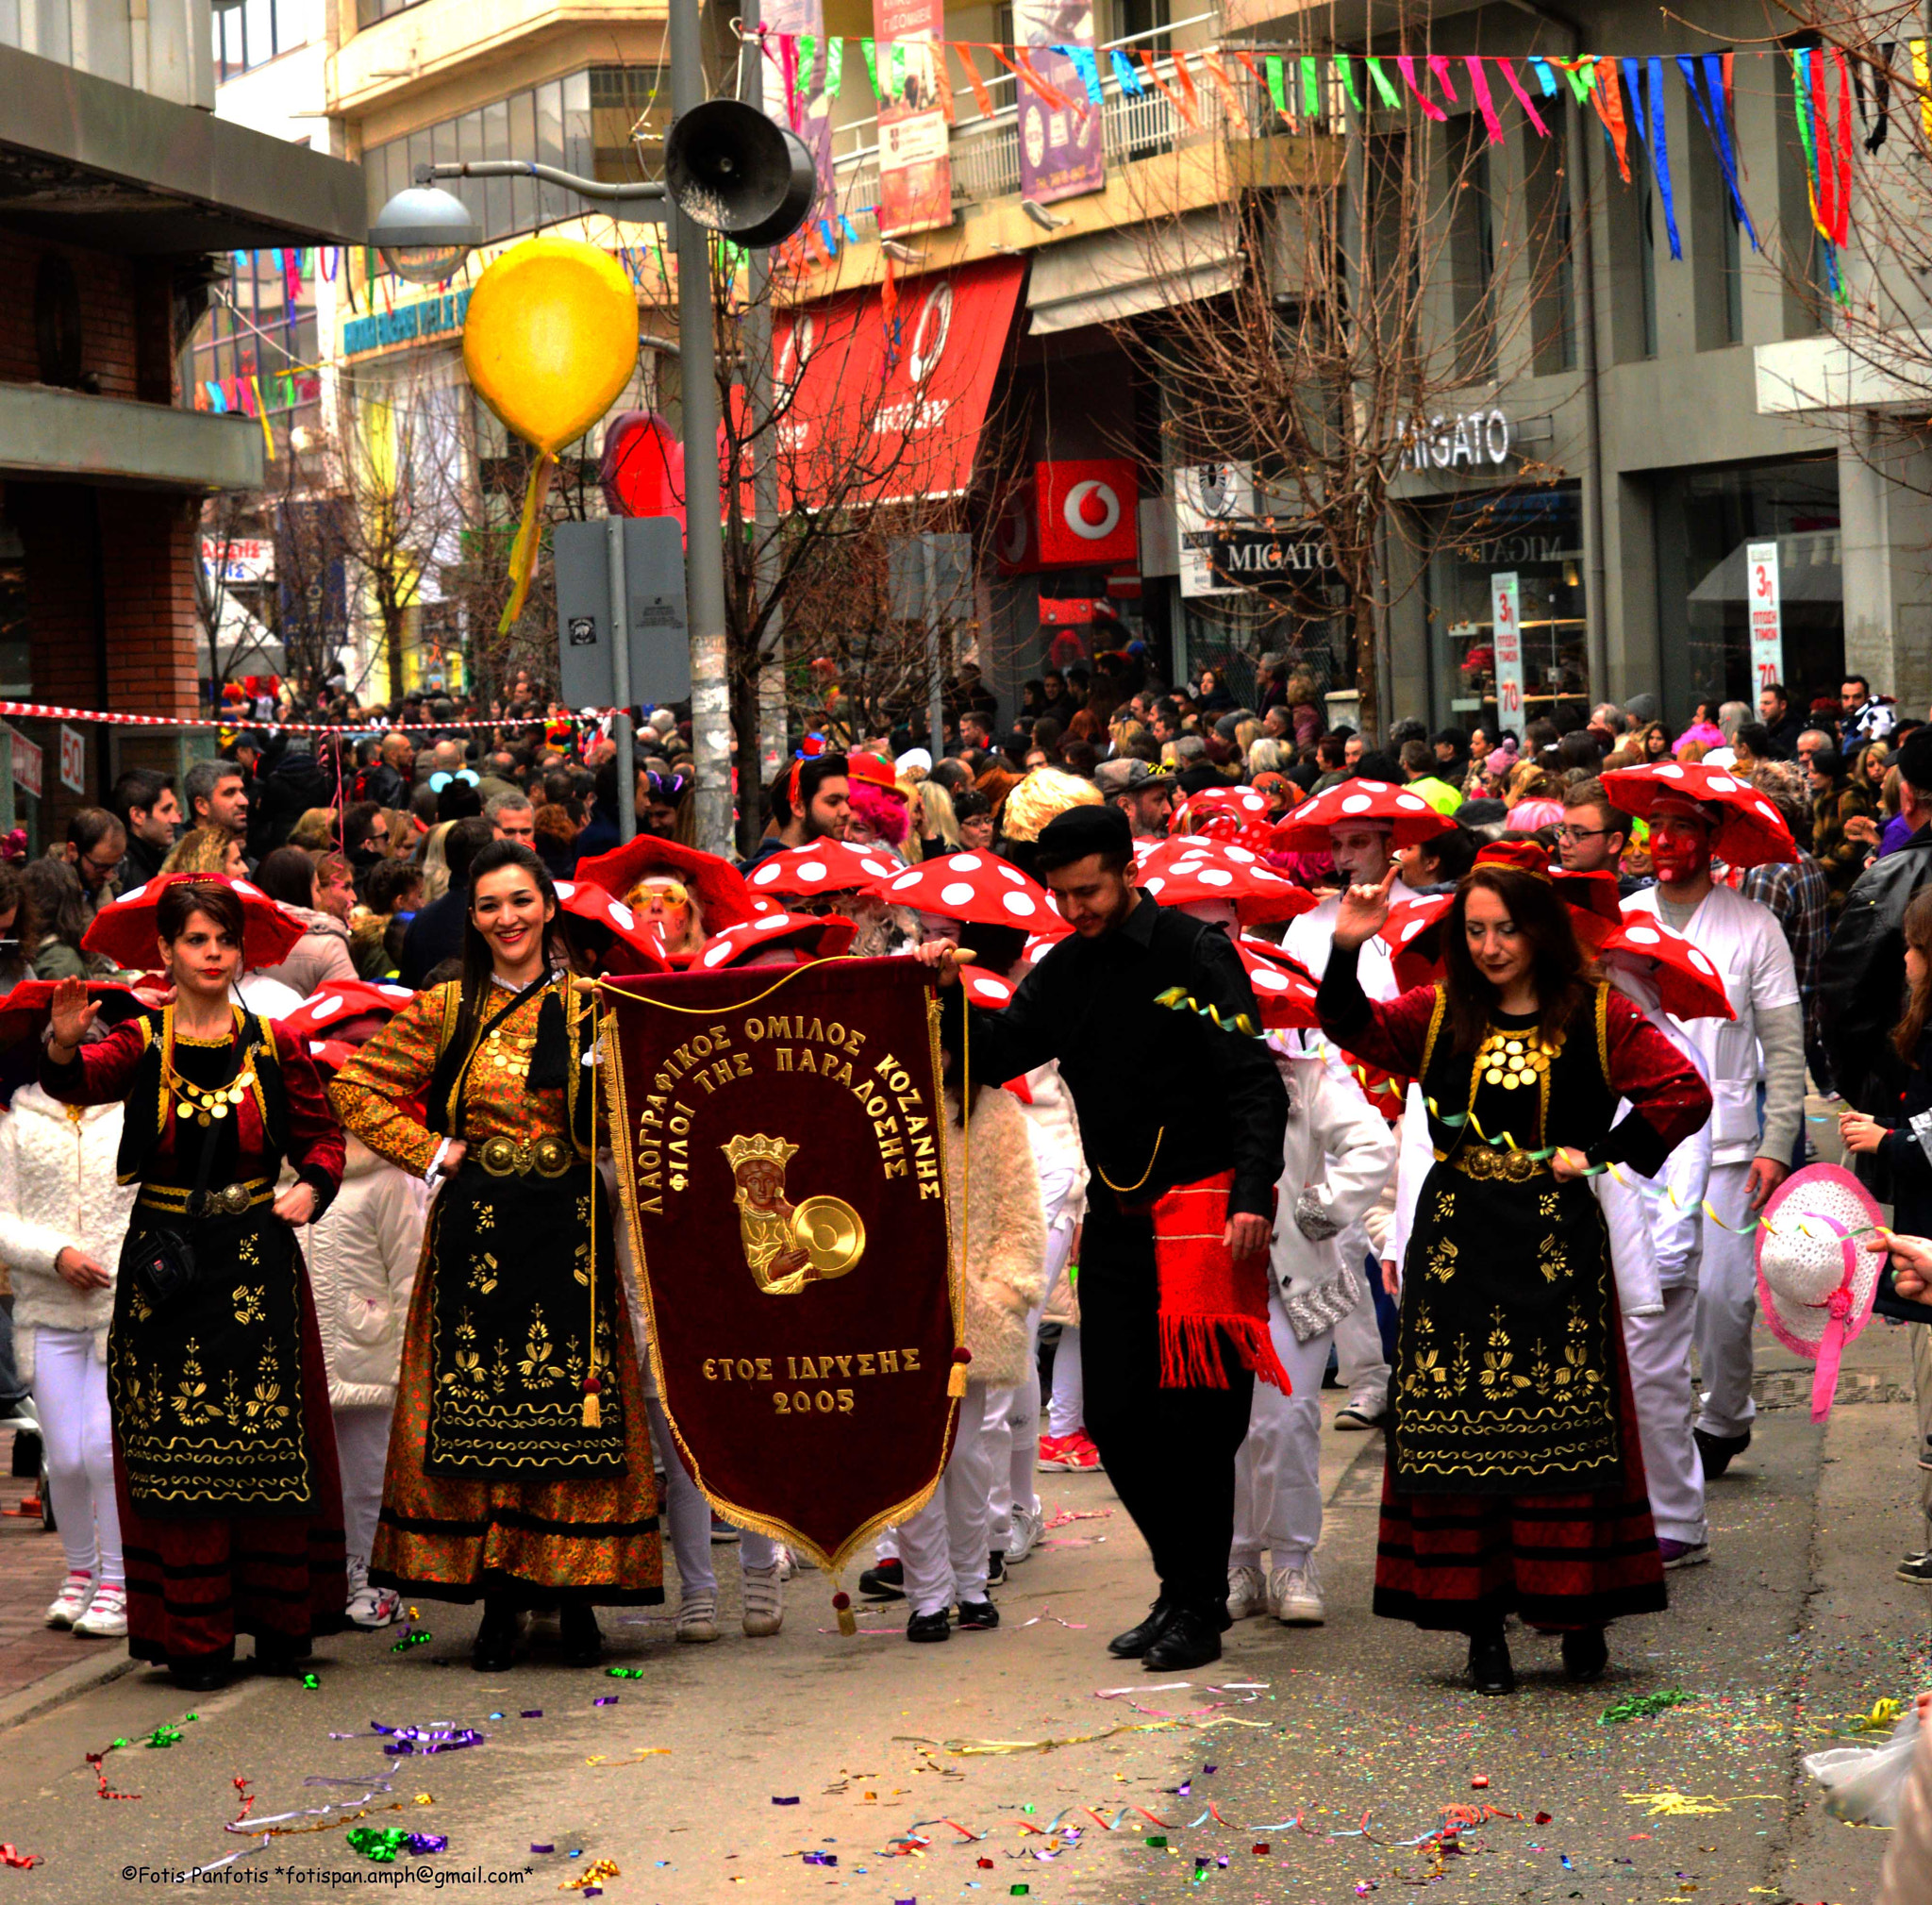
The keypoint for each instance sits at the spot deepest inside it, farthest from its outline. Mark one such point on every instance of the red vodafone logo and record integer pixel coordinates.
(1091, 510)
(1086, 512)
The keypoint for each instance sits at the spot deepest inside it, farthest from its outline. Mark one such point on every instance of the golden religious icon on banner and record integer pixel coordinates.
(787, 1247)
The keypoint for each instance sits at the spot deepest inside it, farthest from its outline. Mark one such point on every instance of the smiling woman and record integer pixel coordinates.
(519, 1467)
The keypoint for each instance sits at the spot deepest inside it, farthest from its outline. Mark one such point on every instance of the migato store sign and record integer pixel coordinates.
(1471, 439)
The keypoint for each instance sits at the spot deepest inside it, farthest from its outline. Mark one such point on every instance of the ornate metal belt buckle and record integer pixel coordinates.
(550, 1157)
(232, 1199)
(499, 1157)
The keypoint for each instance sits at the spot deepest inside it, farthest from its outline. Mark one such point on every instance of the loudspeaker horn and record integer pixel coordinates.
(731, 170)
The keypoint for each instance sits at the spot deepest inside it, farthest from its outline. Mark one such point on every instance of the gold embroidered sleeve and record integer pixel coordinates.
(392, 1070)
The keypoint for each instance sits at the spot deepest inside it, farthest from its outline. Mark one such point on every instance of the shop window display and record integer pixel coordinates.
(1536, 536)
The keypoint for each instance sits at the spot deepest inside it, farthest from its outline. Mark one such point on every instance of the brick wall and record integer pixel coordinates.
(124, 316)
(119, 561)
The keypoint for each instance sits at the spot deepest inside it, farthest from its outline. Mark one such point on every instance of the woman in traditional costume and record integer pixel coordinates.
(1515, 1480)
(519, 1461)
(225, 1459)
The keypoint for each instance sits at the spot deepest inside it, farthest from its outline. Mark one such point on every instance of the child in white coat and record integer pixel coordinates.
(362, 1259)
(63, 1221)
(1336, 1158)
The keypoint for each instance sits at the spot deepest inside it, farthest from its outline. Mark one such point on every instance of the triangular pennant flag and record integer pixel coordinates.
(1516, 86)
(1801, 94)
(1430, 109)
(1311, 87)
(1609, 106)
(1087, 67)
(808, 64)
(1581, 73)
(1344, 70)
(1230, 95)
(1544, 77)
(1479, 88)
(1438, 65)
(1184, 78)
(1278, 88)
(981, 97)
(835, 69)
(942, 81)
(1123, 72)
(1844, 148)
(1660, 152)
(895, 69)
(869, 49)
(1633, 96)
(1179, 103)
(1714, 116)
(1385, 86)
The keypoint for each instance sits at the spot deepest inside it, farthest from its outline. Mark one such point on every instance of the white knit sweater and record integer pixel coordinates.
(58, 1188)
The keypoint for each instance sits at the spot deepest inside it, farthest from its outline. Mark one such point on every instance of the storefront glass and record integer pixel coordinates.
(1706, 521)
(1231, 632)
(1537, 536)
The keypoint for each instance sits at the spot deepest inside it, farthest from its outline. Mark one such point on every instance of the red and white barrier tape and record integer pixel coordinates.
(32, 711)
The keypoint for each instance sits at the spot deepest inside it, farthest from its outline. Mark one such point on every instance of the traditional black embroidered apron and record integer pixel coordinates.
(1504, 1379)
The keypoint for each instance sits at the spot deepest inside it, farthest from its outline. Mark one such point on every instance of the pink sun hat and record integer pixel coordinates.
(1818, 1266)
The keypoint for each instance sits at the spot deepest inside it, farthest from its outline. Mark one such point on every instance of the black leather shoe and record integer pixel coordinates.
(1136, 1640)
(1718, 1451)
(202, 1672)
(930, 1627)
(1489, 1667)
(495, 1648)
(1191, 1639)
(996, 1567)
(886, 1582)
(583, 1640)
(1586, 1654)
(978, 1614)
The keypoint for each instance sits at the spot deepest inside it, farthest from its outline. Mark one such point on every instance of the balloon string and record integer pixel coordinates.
(523, 554)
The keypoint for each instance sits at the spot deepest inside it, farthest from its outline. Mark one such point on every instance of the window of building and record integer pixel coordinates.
(254, 32)
(1717, 270)
(258, 345)
(1537, 536)
(607, 123)
(1632, 243)
(1552, 279)
(1706, 521)
(1472, 246)
(369, 12)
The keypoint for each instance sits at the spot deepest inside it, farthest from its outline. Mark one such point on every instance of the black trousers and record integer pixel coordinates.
(1168, 1452)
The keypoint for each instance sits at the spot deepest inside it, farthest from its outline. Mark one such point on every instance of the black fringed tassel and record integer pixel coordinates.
(550, 1059)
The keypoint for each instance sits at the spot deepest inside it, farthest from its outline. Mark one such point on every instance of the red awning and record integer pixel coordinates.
(883, 390)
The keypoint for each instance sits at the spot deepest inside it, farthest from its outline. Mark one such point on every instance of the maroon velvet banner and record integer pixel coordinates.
(781, 1154)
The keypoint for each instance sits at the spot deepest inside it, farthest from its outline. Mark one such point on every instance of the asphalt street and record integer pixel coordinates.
(810, 1766)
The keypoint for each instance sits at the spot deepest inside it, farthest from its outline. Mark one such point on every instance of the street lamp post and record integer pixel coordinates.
(731, 170)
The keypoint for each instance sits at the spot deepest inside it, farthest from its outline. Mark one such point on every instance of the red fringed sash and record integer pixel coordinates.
(1204, 1289)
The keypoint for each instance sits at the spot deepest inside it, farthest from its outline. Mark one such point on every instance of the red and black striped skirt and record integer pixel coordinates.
(1462, 1562)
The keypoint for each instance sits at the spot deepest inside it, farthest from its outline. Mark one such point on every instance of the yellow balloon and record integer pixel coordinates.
(551, 338)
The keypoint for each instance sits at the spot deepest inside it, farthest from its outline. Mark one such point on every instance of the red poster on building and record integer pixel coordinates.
(1089, 511)
(915, 173)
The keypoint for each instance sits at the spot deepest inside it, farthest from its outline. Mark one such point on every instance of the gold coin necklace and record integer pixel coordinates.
(204, 1104)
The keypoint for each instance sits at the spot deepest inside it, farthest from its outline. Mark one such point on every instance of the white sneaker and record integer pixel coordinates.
(75, 1593)
(788, 1561)
(373, 1607)
(106, 1616)
(1364, 1410)
(1247, 1593)
(1294, 1597)
(764, 1602)
(1029, 1523)
(697, 1619)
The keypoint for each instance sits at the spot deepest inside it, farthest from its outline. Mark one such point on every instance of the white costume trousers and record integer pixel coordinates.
(1359, 1366)
(1066, 1410)
(363, 1451)
(945, 1546)
(689, 1515)
(1728, 1305)
(1659, 1349)
(1277, 1487)
(70, 1393)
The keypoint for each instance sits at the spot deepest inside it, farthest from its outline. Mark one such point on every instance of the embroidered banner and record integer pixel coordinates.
(783, 1173)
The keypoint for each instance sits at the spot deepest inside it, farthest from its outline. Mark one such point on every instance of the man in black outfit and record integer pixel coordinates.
(1165, 1098)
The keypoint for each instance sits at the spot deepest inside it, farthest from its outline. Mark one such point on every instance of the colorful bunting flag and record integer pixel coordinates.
(1523, 97)
(1604, 96)
(1385, 86)
(981, 97)
(1430, 109)
(1123, 72)
(1660, 152)
(1087, 68)
(1479, 90)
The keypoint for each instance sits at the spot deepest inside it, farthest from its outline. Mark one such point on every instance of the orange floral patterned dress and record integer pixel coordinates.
(496, 1484)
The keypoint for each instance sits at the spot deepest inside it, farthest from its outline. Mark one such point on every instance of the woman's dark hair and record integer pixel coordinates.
(970, 804)
(1754, 738)
(181, 902)
(1916, 929)
(388, 881)
(1831, 763)
(477, 960)
(16, 897)
(59, 905)
(287, 875)
(1451, 852)
(1557, 962)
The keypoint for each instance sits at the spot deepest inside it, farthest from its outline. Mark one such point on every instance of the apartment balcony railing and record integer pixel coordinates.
(984, 150)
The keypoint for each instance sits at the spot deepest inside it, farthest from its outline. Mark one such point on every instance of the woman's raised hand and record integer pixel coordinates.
(72, 1014)
(1363, 913)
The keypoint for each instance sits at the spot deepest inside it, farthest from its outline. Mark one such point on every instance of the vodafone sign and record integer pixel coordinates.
(1089, 512)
